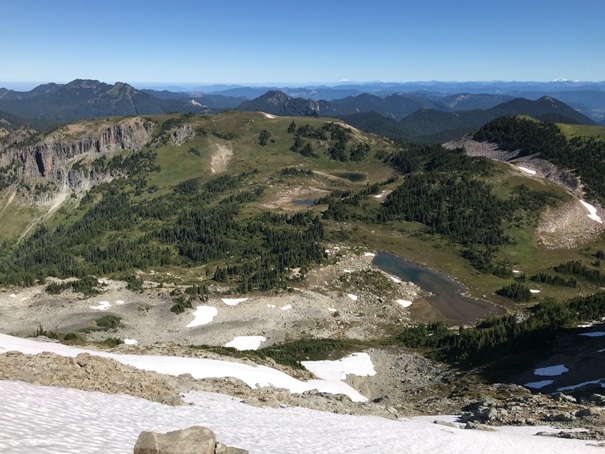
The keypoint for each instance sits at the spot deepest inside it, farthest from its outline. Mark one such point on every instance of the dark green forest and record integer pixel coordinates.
(197, 224)
(505, 342)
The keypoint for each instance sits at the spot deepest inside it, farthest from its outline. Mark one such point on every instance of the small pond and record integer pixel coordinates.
(351, 176)
(304, 202)
(447, 294)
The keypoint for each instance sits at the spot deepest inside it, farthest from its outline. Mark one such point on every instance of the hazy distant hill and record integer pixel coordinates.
(210, 100)
(10, 121)
(587, 97)
(48, 105)
(430, 125)
(278, 103)
(395, 106)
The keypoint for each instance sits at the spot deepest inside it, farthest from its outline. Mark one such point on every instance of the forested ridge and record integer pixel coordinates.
(585, 156)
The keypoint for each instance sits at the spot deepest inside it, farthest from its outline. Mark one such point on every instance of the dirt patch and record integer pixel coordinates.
(289, 195)
(220, 158)
(9, 200)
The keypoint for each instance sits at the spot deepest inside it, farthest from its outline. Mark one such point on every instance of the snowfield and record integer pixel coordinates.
(358, 364)
(551, 371)
(203, 315)
(102, 306)
(233, 301)
(246, 342)
(592, 212)
(43, 420)
(46, 420)
(253, 376)
(526, 170)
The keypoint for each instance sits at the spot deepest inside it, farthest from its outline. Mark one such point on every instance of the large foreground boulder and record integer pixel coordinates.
(194, 440)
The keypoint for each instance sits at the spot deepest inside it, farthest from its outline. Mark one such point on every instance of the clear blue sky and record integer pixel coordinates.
(283, 41)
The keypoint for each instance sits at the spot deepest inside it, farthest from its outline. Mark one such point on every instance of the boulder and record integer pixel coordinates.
(194, 440)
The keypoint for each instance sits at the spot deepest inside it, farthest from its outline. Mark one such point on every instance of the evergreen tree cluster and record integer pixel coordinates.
(516, 292)
(557, 281)
(577, 269)
(331, 136)
(509, 340)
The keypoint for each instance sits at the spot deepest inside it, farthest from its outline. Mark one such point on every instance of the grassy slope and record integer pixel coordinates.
(585, 131)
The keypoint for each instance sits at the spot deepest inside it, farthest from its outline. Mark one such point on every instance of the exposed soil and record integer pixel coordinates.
(220, 158)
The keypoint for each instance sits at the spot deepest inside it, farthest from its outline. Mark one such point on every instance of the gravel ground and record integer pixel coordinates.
(346, 299)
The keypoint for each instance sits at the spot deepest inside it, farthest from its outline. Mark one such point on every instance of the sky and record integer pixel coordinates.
(301, 42)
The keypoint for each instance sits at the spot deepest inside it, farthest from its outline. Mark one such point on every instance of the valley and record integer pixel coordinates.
(252, 238)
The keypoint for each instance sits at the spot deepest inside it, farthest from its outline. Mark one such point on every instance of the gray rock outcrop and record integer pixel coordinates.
(53, 157)
(89, 373)
(194, 440)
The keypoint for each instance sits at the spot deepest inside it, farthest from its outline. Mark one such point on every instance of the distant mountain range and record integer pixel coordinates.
(417, 118)
(51, 104)
(431, 112)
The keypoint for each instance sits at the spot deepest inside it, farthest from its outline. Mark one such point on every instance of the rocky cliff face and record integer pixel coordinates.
(52, 158)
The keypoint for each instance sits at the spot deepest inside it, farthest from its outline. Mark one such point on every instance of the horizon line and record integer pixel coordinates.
(34, 84)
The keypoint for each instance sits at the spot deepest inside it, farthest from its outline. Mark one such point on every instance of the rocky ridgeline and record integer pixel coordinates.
(543, 168)
(52, 157)
(558, 410)
(89, 373)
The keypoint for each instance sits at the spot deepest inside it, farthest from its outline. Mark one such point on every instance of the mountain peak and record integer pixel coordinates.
(83, 83)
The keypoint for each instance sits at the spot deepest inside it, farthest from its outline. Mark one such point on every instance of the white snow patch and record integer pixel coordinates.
(353, 297)
(404, 303)
(579, 385)
(195, 103)
(592, 212)
(539, 384)
(347, 271)
(233, 301)
(269, 115)
(287, 307)
(120, 302)
(246, 342)
(526, 170)
(253, 376)
(369, 254)
(534, 290)
(594, 334)
(131, 341)
(44, 420)
(516, 271)
(12, 295)
(395, 280)
(551, 371)
(102, 306)
(272, 306)
(359, 364)
(203, 315)
(331, 309)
